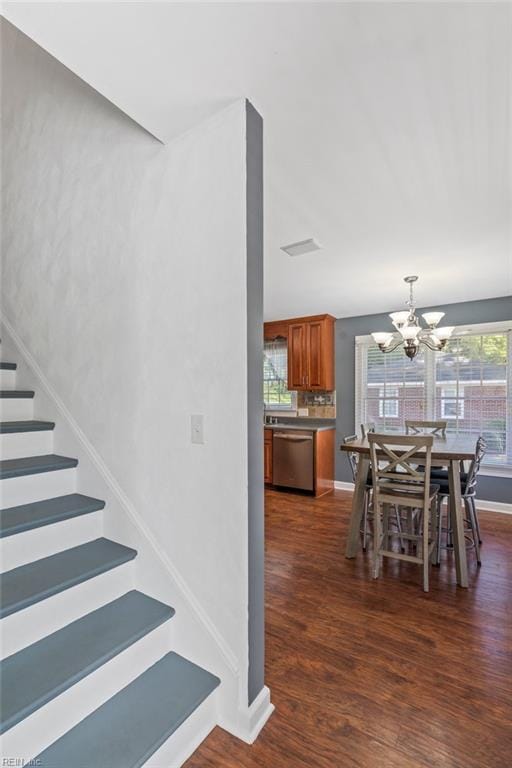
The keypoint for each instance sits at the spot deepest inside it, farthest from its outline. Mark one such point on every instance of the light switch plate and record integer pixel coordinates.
(303, 412)
(197, 429)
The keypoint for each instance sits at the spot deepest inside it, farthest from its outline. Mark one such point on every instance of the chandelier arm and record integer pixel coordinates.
(392, 348)
(428, 343)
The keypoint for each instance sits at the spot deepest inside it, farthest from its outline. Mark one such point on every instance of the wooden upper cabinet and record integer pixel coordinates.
(316, 354)
(311, 353)
(310, 350)
(297, 356)
(276, 330)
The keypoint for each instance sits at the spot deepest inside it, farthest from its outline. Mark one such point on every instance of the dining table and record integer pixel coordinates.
(447, 452)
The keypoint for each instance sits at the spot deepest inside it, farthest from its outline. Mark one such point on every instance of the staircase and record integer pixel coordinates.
(88, 675)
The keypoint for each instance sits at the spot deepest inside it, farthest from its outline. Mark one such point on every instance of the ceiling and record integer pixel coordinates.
(388, 130)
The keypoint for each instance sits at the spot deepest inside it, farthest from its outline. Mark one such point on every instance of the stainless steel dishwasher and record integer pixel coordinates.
(293, 457)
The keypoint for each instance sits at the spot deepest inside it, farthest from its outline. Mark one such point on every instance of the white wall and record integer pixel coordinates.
(124, 274)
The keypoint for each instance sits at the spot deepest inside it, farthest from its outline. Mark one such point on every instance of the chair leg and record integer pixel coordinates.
(385, 526)
(475, 515)
(377, 537)
(399, 527)
(439, 529)
(365, 521)
(449, 525)
(412, 530)
(424, 546)
(470, 510)
(433, 530)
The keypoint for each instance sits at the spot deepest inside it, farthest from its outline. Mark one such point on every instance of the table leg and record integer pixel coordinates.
(363, 466)
(457, 515)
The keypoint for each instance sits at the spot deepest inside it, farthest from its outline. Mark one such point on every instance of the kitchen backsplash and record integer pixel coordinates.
(320, 405)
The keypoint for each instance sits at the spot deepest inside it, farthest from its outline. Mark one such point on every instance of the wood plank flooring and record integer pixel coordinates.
(377, 673)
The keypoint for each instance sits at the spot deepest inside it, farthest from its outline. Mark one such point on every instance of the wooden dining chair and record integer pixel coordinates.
(468, 493)
(399, 481)
(365, 529)
(367, 427)
(418, 427)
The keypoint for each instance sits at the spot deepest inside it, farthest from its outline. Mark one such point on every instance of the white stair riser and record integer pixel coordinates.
(23, 548)
(20, 444)
(29, 488)
(7, 379)
(31, 624)
(184, 742)
(16, 408)
(50, 722)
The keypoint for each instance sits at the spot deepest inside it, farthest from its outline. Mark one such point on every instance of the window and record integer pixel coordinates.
(275, 376)
(388, 402)
(452, 406)
(391, 388)
(469, 384)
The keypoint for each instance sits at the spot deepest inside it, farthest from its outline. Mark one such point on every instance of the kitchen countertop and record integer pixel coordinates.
(311, 424)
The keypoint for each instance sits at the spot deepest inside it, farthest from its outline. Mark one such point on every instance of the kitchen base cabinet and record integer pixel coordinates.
(324, 462)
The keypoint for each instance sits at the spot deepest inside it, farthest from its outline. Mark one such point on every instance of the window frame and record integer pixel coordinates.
(362, 343)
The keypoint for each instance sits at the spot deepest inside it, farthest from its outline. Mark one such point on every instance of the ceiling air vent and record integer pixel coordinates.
(304, 246)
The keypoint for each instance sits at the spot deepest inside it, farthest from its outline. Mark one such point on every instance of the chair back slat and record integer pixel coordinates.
(480, 451)
(401, 463)
(419, 427)
(366, 428)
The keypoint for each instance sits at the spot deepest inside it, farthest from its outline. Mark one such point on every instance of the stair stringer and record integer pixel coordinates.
(194, 634)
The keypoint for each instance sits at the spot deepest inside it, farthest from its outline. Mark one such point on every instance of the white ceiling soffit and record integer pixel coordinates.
(387, 130)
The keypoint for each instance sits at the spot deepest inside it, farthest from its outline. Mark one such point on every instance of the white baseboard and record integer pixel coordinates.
(494, 506)
(482, 505)
(341, 485)
(252, 719)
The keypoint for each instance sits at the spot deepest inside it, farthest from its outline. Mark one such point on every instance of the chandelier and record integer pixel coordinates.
(410, 334)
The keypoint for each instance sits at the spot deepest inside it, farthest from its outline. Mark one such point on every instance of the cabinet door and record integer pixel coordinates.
(315, 375)
(267, 456)
(297, 356)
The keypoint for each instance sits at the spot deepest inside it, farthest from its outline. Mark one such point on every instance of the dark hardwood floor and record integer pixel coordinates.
(377, 673)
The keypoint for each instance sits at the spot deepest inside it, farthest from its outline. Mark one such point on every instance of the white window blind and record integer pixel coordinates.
(275, 375)
(469, 384)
